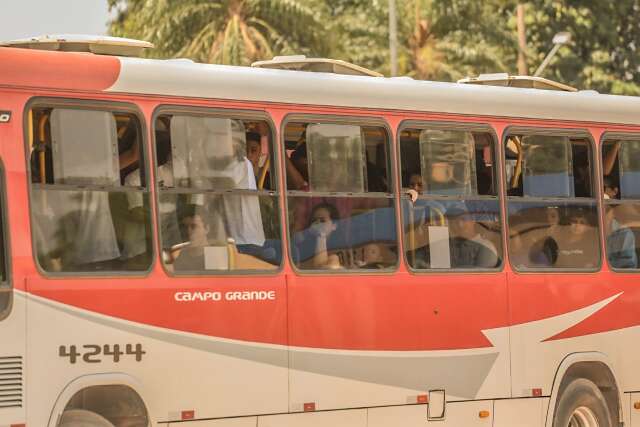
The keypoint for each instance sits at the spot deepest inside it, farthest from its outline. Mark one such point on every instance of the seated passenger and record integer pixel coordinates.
(577, 250)
(610, 188)
(372, 256)
(195, 223)
(621, 243)
(468, 248)
(254, 151)
(416, 183)
(322, 224)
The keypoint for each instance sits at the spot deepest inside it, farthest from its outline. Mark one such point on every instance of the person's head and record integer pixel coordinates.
(462, 223)
(299, 160)
(579, 222)
(196, 227)
(324, 216)
(610, 188)
(254, 149)
(552, 214)
(416, 183)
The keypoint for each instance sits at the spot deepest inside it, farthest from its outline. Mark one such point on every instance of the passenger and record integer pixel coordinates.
(322, 224)
(610, 188)
(298, 168)
(621, 243)
(552, 214)
(254, 152)
(468, 248)
(416, 183)
(372, 256)
(196, 226)
(577, 250)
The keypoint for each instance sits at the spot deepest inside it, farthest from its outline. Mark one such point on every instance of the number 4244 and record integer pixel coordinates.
(95, 353)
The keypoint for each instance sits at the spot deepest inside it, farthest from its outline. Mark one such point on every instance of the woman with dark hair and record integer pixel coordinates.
(322, 223)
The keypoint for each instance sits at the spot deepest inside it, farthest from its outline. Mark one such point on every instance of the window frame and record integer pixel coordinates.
(620, 136)
(370, 121)
(92, 105)
(6, 244)
(596, 170)
(223, 113)
(454, 126)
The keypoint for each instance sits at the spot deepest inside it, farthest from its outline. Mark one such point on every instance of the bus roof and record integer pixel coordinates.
(184, 78)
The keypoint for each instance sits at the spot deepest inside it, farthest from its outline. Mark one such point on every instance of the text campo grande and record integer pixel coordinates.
(225, 296)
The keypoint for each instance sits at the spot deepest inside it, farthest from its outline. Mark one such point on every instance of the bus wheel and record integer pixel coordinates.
(582, 405)
(82, 418)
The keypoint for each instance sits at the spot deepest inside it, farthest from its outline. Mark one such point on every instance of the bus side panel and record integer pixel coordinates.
(375, 340)
(217, 358)
(12, 321)
(589, 313)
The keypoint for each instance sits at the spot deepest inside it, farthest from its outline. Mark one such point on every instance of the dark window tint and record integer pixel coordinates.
(552, 213)
(621, 191)
(454, 221)
(89, 197)
(5, 283)
(341, 212)
(217, 210)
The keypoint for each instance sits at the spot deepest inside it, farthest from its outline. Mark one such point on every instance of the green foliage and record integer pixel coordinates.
(220, 31)
(437, 39)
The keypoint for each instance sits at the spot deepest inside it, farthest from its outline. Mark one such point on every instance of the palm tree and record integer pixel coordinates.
(220, 31)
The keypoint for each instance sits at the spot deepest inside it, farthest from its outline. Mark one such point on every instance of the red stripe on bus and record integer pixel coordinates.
(59, 70)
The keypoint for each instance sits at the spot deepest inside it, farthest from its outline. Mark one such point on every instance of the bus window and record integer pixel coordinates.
(5, 283)
(621, 192)
(341, 213)
(454, 223)
(89, 198)
(218, 211)
(553, 221)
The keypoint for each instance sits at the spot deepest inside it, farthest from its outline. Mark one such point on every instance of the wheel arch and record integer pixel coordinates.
(594, 366)
(94, 380)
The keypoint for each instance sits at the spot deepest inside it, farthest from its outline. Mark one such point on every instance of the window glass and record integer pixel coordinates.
(90, 203)
(341, 211)
(5, 284)
(217, 212)
(454, 221)
(552, 213)
(621, 191)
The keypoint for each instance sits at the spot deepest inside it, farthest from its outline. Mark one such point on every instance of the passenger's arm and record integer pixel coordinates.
(610, 159)
(294, 177)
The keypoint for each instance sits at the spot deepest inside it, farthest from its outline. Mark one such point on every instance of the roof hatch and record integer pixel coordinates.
(318, 65)
(102, 45)
(504, 79)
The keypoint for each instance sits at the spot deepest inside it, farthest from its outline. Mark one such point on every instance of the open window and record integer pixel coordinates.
(89, 197)
(217, 205)
(340, 206)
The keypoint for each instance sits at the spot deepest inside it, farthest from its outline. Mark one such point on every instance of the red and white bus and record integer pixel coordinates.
(234, 246)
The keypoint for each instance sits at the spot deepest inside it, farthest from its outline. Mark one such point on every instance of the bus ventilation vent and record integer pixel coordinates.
(10, 382)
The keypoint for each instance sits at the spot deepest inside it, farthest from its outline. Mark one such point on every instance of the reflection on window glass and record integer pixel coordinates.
(622, 228)
(214, 215)
(445, 234)
(342, 216)
(345, 233)
(553, 235)
(553, 218)
(455, 221)
(90, 203)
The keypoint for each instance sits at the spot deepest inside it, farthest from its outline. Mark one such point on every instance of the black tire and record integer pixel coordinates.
(577, 396)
